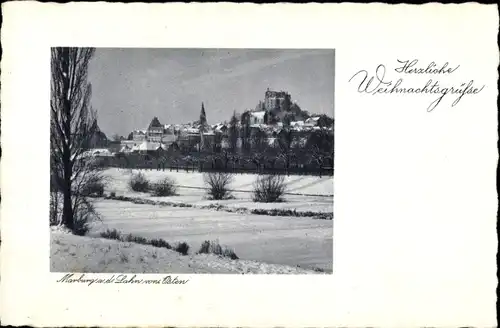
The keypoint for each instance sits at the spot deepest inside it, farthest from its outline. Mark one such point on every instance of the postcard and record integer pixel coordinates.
(244, 165)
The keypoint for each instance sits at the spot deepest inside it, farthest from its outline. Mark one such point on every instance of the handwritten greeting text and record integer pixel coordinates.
(380, 84)
(120, 279)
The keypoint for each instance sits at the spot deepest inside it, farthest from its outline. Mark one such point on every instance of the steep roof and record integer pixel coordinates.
(94, 126)
(155, 123)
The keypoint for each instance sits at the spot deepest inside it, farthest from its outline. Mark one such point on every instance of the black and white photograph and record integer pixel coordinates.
(173, 160)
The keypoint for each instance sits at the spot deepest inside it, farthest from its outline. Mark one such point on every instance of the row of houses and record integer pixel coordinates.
(169, 133)
(194, 142)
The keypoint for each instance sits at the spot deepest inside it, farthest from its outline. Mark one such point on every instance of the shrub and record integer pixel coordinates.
(160, 243)
(84, 214)
(165, 187)
(56, 208)
(112, 194)
(93, 187)
(111, 234)
(182, 248)
(269, 188)
(138, 182)
(136, 239)
(218, 184)
(213, 247)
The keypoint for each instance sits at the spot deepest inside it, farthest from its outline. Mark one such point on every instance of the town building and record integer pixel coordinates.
(312, 121)
(97, 139)
(155, 130)
(257, 117)
(168, 139)
(169, 129)
(139, 135)
(275, 99)
(148, 147)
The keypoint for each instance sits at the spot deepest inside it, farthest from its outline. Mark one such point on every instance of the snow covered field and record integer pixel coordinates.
(263, 243)
(271, 239)
(304, 193)
(71, 253)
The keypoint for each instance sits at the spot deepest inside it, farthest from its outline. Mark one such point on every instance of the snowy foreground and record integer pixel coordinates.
(264, 244)
(303, 193)
(71, 253)
(272, 239)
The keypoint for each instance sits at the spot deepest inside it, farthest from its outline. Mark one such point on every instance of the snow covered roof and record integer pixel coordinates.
(192, 130)
(297, 123)
(271, 141)
(277, 129)
(148, 146)
(96, 152)
(259, 115)
(219, 127)
(125, 149)
(140, 131)
(101, 152)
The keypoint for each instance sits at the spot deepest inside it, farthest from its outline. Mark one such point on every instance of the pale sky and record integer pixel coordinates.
(131, 86)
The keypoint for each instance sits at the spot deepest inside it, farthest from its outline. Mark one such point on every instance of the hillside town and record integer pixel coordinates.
(275, 124)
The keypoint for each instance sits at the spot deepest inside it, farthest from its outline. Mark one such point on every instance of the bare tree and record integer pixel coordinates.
(71, 128)
(233, 132)
(245, 130)
(317, 157)
(259, 140)
(216, 148)
(258, 158)
(285, 140)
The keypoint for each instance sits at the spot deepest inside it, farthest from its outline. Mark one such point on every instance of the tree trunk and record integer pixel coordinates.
(67, 204)
(67, 209)
(66, 154)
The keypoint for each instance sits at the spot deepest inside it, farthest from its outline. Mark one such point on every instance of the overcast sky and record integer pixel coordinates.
(131, 86)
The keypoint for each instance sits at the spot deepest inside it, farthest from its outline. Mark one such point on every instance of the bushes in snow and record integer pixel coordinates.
(164, 187)
(93, 187)
(83, 210)
(160, 243)
(182, 248)
(218, 184)
(138, 182)
(56, 208)
(114, 234)
(213, 247)
(136, 239)
(111, 234)
(269, 188)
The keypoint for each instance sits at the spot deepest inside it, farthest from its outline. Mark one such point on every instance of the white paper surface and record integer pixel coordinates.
(415, 195)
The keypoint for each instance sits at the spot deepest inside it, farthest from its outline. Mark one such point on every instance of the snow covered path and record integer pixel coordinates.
(271, 239)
